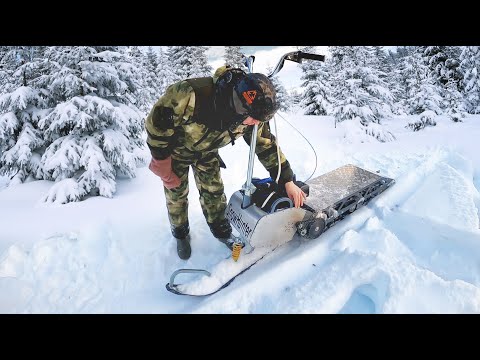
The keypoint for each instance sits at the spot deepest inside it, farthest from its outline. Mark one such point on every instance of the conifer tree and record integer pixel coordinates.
(234, 57)
(145, 91)
(201, 66)
(401, 74)
(164, 71)
(296, 97)
(359, 92)
(181, 60)
(421, 96)
(316, 97)
(381, 61)
(3, 67)
(24, 101)
(94, 131)
(282, 97)
(152, 58)
(444, 65)
(188, 62)
(470, 67)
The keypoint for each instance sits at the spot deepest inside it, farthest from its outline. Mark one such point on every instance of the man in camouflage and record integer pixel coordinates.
(187, 126)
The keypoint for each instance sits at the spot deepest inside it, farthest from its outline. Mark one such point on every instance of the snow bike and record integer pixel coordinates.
(265, 218)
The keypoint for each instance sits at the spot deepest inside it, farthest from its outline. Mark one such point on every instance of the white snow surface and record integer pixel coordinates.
(413, 249)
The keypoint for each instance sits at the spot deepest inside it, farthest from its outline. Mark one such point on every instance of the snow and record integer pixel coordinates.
(413, 249)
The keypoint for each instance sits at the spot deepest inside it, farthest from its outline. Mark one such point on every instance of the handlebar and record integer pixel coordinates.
(296, 56)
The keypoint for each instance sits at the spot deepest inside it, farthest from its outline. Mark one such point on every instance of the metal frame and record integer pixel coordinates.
(295, 56)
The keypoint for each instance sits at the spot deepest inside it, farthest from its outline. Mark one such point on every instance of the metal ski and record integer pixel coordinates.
(211, 287)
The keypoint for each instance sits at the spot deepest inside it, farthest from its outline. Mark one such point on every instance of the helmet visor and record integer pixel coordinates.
(240, 108)
(263, 114)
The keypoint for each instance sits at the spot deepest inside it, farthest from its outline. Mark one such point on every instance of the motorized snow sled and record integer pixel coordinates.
(330, 197)
(265, 218)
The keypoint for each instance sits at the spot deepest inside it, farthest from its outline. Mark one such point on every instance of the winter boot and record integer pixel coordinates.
(222, 230)
(181, 233)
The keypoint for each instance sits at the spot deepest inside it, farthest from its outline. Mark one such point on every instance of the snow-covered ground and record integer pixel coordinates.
(413, 249)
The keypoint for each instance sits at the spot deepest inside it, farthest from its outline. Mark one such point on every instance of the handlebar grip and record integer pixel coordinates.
(312, 56)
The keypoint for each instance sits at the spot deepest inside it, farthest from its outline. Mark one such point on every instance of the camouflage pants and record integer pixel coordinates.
(206, 170)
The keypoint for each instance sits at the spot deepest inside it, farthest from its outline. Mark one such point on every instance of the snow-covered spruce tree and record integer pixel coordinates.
(23, 102)
(399, 75)
(296, 97)
(382, 62)
(444, 65)
(188, 62)
(386, 62)
(200, 64)
(403, 51)
(392, 57)
(443, 62)
(422, 96)
(453, 102)
(359, 93)
(164, 72)
(150, 85)
(94, 133)
(155, 82)
(144, 93)
(404, 75)
(470, 67)
(283, 99)
(3, 68)
(234, 57)
(316, 97)
(152, 57)
(11, 58)
(180, 59)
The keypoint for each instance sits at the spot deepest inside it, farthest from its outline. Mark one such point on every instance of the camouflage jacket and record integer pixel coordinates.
(171, 123)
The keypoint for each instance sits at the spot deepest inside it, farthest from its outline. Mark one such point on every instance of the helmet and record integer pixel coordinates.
(254, 95)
